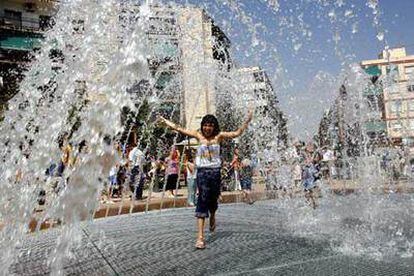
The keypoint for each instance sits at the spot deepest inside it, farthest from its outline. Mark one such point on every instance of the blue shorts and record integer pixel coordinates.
(246, 183)
(113, 180)
(308, 184)
(208, 184)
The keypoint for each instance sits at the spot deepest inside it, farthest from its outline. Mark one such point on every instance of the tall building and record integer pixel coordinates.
(382, 111)
(396, 69)
(188, 51)
(255, 89)
(22, 23)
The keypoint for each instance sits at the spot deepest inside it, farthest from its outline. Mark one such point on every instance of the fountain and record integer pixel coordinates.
(103, 74)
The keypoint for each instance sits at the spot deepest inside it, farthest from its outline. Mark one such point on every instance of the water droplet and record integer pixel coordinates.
(380, 36)
(349, 13)
(337, 37)
(297, 46)
(355, 28)
(372, 4)
(332, 14)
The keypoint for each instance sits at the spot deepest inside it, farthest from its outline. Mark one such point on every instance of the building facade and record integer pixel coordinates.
(396, 70)
(22, 24)
(256, 90)
(187, 52)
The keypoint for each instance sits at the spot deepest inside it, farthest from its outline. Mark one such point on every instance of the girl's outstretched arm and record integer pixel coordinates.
(240, 130)
(173, 126)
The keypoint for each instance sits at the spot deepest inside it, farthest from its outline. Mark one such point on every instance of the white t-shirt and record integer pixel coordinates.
(136, 157)
(328, 155)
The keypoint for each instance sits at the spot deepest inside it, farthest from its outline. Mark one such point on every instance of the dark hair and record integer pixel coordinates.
(107, 140)
(189, 155)
(61, 138)
(82, 145)
(210, 119)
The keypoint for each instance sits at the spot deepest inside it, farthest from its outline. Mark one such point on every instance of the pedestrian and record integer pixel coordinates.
(66, 153)
(246, 179)
(191, 178)
(208, 163)
(310, 176)
(172, 171)
(296, 173)
(137, 176)
(235, 165)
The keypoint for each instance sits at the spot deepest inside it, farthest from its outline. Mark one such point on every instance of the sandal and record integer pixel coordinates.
(200, 244)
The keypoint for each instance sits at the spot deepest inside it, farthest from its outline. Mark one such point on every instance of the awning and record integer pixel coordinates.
(20, 43)
(375, 126)
(373, 70)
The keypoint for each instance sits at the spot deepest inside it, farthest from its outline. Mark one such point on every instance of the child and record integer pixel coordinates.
(310, 175)
(191, 178)
(172, 171)
(235, 165)
(208, 163)
(246, 174)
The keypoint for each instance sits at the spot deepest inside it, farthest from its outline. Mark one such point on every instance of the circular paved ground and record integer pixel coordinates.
(267, 238)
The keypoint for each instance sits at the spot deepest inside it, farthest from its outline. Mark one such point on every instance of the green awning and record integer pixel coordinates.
(375, 126)
(165, 49)
(20, 43)
(373, 70)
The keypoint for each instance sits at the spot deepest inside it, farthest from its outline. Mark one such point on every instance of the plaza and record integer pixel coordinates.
(122, 121)
(250, 240)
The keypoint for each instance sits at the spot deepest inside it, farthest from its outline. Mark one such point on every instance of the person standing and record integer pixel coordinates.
(235, 165)
(208, 163)
(137, 176)
(191, 178)
(296, 174)
(172, 171)
(310, 175)
(246, 179)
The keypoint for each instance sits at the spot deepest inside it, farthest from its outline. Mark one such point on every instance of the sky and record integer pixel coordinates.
(304, 45)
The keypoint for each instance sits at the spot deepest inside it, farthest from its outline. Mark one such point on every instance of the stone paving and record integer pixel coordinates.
(250, 240)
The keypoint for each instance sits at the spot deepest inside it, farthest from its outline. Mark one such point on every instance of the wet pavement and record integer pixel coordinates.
(249, 240)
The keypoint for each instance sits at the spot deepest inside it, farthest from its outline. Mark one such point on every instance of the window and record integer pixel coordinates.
(392, 71)
(13, 18)
(45, 22)
(259, 76)
(395, 126)
(409, 72)
(411, 124)
(408, 141)
(160, 25)
(394, 88)
(395, 107)
(410, 88)
(78, 26)
(166, 49)
(410, 106)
